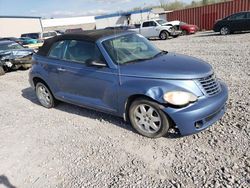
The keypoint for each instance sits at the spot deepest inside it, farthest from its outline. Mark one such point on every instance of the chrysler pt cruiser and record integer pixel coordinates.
(123, 74)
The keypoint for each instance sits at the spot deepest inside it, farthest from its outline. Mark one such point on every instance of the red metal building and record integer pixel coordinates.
(205, 16)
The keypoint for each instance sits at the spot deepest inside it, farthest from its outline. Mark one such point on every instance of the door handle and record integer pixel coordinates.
(61, 69)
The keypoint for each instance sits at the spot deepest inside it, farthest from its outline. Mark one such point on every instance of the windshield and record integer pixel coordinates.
(161, 22)
(10, 46)
(130, 48)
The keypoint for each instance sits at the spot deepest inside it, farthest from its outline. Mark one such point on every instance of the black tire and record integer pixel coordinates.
(2, 72)
(164, 121)
(164, 35)
(50, 102)
(184, 32)
(225, 30)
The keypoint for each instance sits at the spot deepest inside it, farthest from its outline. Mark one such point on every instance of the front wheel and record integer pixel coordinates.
(224, 30)
(164, 35)
(148, 119)
(44, 95)
(184, 32)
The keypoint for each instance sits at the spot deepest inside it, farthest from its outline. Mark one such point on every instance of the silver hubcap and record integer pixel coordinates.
(163, 35)
(224, 31)
(147, 118)
(43, 96)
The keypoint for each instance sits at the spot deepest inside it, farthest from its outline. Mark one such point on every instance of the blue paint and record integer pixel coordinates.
(108, 89)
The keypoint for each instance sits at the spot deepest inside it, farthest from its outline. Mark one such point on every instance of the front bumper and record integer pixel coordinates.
(175, 33)
(201, 114)
(192, 31)
(17, 62)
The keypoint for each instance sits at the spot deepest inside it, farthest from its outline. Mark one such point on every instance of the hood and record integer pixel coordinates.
(190, 25)
(169, 66)
(13, 54)
(175, 22)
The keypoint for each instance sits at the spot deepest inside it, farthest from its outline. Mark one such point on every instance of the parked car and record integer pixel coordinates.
(40, 35)
(235, 22)
(28, 40)
(182, 26)
(125, 75)
(157, 28)
(188, 28)
(14, 56)
(76, 30)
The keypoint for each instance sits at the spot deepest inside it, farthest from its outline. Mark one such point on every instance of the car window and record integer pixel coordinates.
(129, 48)
(152, 24)
(145, 24)
(149, 24)
(45, 35)
(237, 16)
(81, 51)
(248, 15)
(57, 50)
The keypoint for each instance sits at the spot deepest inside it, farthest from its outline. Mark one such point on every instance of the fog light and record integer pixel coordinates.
(198, 124)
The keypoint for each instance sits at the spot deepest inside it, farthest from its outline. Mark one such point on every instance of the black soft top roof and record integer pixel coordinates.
(91, 36)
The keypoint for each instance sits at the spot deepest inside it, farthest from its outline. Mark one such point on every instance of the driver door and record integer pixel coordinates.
(149, 29)
(82, 84)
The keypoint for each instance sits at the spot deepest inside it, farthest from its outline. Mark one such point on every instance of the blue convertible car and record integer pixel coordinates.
(123, 74)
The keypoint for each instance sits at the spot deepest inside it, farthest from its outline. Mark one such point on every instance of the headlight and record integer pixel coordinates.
(179, 98)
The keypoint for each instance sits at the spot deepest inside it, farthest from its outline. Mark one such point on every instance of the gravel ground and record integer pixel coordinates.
(69, 146)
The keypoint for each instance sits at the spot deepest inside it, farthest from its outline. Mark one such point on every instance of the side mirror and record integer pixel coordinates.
(95, 63)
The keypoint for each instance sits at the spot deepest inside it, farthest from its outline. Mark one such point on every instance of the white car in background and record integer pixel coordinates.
(157, 28)
(41, 35)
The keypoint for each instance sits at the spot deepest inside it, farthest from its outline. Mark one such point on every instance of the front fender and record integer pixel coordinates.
(152, 88)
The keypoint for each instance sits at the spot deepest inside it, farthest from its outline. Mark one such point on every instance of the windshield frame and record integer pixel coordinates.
(108, 56)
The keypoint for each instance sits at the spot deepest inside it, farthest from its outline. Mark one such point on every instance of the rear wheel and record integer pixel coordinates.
(2, 72)
(164, 35)
(44, 95)
(148, 119)
(224, 30)
(184, 32)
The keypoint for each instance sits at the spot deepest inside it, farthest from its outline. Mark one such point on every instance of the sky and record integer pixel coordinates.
(69, 8)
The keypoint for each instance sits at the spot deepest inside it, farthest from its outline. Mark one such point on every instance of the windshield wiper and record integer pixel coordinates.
(136, 60)
(144, 59)
(160, 53)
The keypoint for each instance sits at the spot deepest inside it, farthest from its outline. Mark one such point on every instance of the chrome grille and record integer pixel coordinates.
(209, 85)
